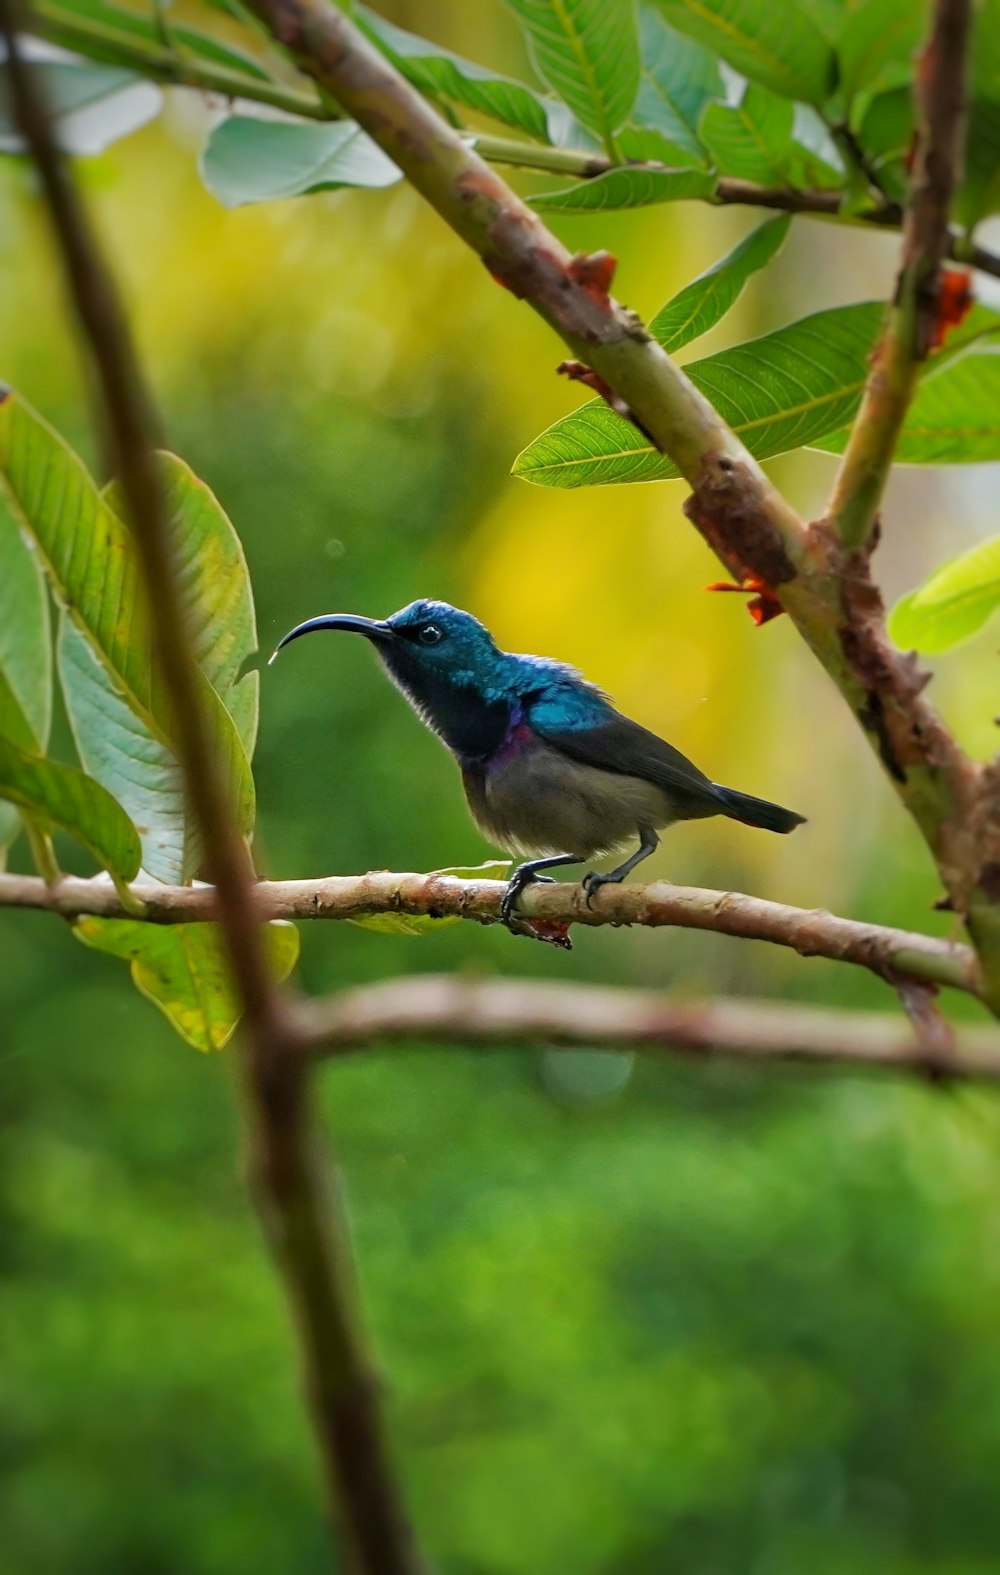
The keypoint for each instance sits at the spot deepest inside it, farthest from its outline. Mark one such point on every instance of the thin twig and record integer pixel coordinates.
(502, 1012)
(909, 331)
(290, 1185)
(811, 932)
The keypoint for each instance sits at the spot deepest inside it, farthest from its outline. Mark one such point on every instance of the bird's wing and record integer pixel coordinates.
(617, 744)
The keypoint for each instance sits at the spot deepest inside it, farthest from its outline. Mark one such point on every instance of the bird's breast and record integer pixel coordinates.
(531, 799)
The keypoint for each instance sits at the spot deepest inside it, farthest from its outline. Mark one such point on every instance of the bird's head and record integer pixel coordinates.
(446, 663)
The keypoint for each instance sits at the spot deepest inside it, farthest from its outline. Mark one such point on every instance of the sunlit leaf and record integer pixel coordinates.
(441, 74)
(678, 78)
(250, 160)
(91, 105)
(779, 46)
(626, 188)
(702, 303)
(422, 923)
(58, 795)
(587, 51)
(92, 566)
(182, 969)
(25, 652)
(953, 604)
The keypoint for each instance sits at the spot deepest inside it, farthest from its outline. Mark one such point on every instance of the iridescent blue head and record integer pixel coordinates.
(449, 667)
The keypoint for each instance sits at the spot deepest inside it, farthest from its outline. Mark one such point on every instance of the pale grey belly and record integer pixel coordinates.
(542, 802)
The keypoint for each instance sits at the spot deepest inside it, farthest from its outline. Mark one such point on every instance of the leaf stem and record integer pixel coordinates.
(42, 851)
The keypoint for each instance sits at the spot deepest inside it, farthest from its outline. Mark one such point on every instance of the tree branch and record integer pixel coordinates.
(911, 321)
(502, 1012)
(291, 1189)
(811, 932)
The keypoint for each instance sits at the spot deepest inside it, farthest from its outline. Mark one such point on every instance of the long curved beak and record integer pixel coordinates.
(372, 628)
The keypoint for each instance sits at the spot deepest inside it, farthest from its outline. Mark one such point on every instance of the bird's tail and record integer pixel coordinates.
(757, 811)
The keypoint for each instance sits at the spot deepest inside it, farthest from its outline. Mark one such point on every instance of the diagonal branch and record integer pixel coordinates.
(911, 321)
(291, 1188)
(502, 1012)
(811, 932)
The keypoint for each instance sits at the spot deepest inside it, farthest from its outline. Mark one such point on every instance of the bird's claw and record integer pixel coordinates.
(515, 886)
(593, 881)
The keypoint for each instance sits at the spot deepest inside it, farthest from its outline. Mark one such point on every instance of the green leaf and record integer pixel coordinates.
(953, 604)
(955, 417)
(777, 393)
(215, 590)
(441, 74)
(25, 652)
(751, 139)
(117, 750)
(886, 136)
(92, 566)
(877, 44)
(587, 51)
(707, 299)
(112, 742)
(111, 26)
(250, 160)
(62, 796)
(182, 969)
(91, 105)
(678, 78)
(779, 46)
(422, 923)
(626, 188)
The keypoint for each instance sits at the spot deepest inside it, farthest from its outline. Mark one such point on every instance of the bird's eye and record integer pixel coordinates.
(430, 634)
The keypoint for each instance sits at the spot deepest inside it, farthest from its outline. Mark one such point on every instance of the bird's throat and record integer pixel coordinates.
(473, 725)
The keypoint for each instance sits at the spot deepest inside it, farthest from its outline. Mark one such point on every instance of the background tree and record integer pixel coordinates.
(647, 114)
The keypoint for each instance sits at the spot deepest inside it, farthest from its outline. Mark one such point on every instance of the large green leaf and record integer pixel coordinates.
(626, 188)
(955, 417)
(777, 393)
(120, 752)
(440, 74)
(25, 652)
(92, 566)
(779, 46)
(953, 604)
(250, 160)
(707, 299)
(587, 51)
(113, 743)
(58, 795)
(91, 105)
(109, 27)
(678, 78)
(792, 388)
(877, 44)
(215, 590)
(751, 139)
(182, 969)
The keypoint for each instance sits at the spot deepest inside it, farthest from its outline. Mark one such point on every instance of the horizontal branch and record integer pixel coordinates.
(811, 932)
(501, 1012)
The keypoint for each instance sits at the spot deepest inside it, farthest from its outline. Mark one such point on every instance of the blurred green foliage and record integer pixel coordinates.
(705, 1317)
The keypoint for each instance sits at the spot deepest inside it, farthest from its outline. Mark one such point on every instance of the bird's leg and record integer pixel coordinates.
(525, 874)
(593, 882)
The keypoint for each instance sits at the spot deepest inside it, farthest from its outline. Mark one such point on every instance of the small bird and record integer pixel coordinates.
(550, 768)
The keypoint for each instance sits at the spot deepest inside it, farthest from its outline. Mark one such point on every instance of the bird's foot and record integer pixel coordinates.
(595, 879)
(518, 881)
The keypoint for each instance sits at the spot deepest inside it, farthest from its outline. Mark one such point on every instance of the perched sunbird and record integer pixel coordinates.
(549, 767)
